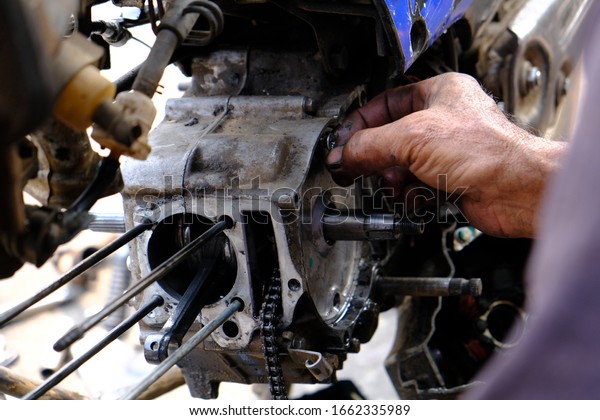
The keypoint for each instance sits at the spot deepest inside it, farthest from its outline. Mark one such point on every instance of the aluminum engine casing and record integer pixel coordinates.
(220, 155)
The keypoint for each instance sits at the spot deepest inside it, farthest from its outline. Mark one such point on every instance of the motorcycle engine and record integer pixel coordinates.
(248, 141)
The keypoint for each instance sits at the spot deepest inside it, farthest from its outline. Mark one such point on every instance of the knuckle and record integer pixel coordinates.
(462, 79)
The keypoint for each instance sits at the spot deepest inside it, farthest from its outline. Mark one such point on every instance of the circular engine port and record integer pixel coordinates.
(172, 234)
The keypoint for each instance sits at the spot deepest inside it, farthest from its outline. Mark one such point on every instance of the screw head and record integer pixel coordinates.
(330, 141)
(534, 77)
(309, 106)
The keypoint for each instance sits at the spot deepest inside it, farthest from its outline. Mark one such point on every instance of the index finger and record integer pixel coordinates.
(385, 108)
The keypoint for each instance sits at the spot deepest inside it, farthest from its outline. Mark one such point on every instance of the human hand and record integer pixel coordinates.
(449, 126)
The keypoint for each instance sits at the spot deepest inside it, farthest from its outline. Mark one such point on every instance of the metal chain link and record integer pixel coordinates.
(271, 309)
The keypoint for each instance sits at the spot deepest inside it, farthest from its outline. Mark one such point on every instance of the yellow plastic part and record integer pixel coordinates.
(81, 96)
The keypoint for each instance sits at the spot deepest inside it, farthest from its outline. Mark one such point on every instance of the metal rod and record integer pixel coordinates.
(84, 265)
(107, 222)
(67, 295)
(115, 333)
(182, 351)
(354, 225)
(16, 385)
(430, 286)
(163, 269)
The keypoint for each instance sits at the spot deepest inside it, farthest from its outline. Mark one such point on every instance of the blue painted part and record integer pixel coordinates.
(439, 15)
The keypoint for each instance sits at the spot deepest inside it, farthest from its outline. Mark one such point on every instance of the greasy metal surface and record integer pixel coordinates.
(255, 169)
(221, 72)
(217, 156)
(158, 346)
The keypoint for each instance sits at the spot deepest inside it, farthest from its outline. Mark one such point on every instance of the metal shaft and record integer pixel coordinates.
(84, 265)
(354, 225)
(430, 286)
(163, 269)
(182, 351)
(107, 222)
(115, 333)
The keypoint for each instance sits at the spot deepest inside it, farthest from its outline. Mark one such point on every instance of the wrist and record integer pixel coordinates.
(538, 159)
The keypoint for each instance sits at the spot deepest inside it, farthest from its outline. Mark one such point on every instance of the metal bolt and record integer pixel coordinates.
(409, 227)
(532, 78)
(287, 201)
(310, 106)
(330, 141)
(353, 345)
(565, 86)
(363, 264)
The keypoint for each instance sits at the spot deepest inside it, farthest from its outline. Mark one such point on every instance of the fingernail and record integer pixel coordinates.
(334, 159)
(341, 133)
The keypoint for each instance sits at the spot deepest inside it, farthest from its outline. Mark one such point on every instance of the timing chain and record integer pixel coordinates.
(271, 308)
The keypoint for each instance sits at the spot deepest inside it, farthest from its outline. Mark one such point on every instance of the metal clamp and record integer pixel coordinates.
(314, 361)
